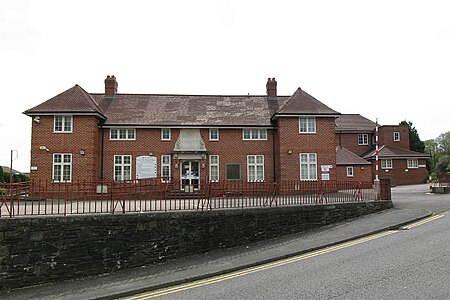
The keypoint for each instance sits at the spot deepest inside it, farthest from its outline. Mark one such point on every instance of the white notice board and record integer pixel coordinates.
(145, 167)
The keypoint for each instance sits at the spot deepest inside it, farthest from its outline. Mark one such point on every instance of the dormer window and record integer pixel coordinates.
(62, 124)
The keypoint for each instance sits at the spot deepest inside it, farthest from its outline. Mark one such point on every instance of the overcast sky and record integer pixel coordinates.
(382, 59)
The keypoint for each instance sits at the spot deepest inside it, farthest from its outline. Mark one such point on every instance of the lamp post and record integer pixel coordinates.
(11, 175)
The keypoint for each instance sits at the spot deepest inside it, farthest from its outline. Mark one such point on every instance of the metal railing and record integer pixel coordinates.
(165, 194)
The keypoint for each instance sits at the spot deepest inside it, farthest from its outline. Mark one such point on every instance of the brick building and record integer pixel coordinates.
(113, 136)
(396, 161)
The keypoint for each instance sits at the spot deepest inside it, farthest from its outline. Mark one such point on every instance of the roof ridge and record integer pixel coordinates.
(289, 100)
(192, 95)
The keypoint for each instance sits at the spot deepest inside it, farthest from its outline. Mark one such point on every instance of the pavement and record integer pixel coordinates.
(132, 281)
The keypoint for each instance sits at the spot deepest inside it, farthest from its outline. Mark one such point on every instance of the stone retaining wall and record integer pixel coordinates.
(45, 249)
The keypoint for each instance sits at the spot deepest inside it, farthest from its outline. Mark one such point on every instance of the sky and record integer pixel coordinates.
(385, 59)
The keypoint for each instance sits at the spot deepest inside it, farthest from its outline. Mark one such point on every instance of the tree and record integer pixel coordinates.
(2, 176)
(443, 143)
(443, 165)
(415, 144)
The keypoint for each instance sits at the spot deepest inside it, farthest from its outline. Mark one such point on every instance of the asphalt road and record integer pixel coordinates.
(411, 263)
(403, 264)
(418, 196)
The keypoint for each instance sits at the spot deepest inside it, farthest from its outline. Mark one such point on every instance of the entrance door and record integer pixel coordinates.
(190, 174)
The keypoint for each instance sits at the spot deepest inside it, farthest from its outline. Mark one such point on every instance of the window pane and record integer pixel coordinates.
(304, 171)
(263, 134)
(113, 134)
(57, 158)
(214, 172)
(165, 171)
(66, 173)
(122, 134)
(58, 123)
(304, 157)
(251, 159)
(127, 159)
(259, 159)
(118, 159)
(251, 173)
(312, 172)
(67, 158)
(57, 172)
(131, 134)
(213, 134)
(302, 124)
(311, 125)
(259, 172)
(67, 123)
(117, 173)
(126, 172)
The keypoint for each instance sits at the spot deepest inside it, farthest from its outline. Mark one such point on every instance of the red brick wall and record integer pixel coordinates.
(350, 142)
(386, 136)
(401, 175)
(360, 173)
(322, 142)
(231, 148)
(148, 141)
(85, 135)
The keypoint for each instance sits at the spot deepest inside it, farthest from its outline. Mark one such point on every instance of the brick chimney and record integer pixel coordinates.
(110, 86)
(271, 88)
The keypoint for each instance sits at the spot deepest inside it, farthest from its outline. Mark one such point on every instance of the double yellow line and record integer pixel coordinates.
(423, 221)
(219, 278)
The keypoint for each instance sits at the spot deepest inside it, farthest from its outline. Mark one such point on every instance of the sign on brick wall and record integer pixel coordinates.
(146, 167)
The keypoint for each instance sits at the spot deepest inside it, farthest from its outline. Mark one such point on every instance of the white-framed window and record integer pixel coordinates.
(386, 163)
(165, 134)
(62, 167)
(363, 139)
(213, 134)
(122, 167)
(350, 171)
(254, 134)
(214, 167)
(307, 125)
(396, 136)
(308, 166)
(62, 124)
(255, 167)
(165, 166)
(413, 163)
(122, 134)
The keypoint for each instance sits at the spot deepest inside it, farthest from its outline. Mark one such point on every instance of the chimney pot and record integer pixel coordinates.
(271, 88)
(110, 86)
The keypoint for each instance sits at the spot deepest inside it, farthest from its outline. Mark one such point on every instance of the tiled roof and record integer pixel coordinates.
(392, 152)
(182, 110)
(188, 110)
(303, 103)
(354, 123)
(73, 100)
(346, 157)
